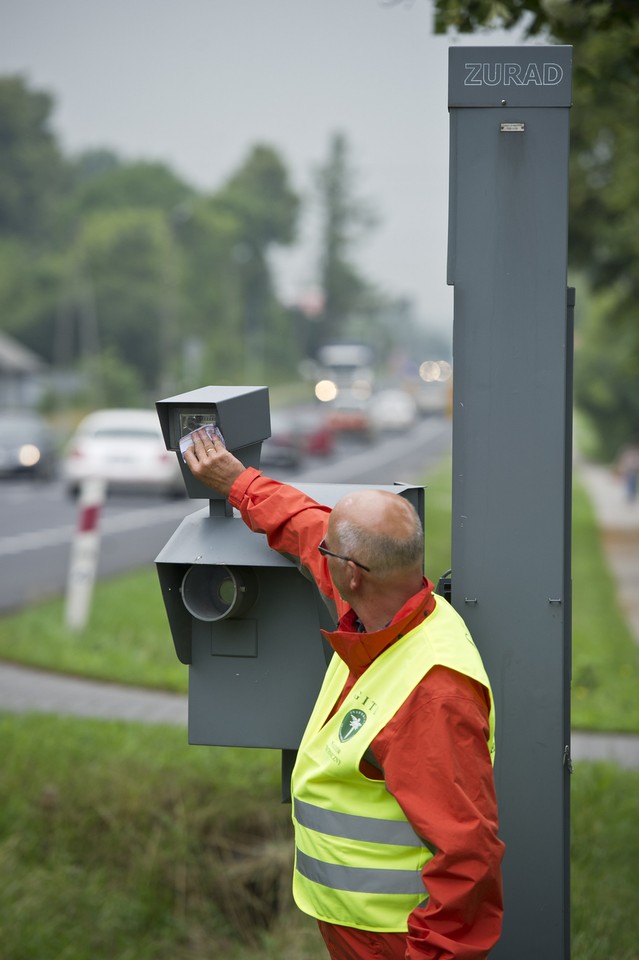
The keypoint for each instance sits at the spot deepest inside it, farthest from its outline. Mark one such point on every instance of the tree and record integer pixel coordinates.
(104, 182)
(261, 199)
(604, 181)
(91, 163)
(31, 167)
(606, 375)
(121, 269)
(568, 21)
(345, 218)
(107, 264)
(265, 209)
(211, 312)
(30, 287)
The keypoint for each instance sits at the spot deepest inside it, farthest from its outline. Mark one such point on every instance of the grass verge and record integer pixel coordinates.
(119, 840)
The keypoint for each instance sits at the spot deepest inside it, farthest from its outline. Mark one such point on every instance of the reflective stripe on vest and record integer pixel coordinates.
(358, 860)
(363, 829)
(360, 880)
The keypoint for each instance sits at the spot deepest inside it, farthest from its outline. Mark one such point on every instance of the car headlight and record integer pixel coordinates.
(29, 455)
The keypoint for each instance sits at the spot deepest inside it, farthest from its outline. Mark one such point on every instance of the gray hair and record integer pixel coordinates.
(383, 554)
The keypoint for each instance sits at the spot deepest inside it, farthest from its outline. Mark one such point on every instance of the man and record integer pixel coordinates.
(397, 853)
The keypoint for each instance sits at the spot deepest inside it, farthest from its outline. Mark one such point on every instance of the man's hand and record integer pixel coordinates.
(212, 464)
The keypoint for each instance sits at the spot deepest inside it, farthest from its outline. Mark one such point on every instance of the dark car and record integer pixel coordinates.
(315, 436)
(349, 416)
(283, 448)
(27, 445)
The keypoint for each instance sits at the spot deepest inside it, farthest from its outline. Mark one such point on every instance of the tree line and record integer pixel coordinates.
(125, 275)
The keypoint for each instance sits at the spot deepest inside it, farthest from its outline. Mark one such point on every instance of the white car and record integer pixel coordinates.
(393, 410)
(126, 449)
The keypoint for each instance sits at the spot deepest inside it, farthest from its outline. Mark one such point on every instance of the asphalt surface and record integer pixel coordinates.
(25, 690)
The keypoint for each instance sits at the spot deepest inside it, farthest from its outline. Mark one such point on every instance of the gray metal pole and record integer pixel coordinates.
(509, 122)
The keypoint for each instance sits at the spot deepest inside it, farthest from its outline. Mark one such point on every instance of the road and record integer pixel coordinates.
(38, 521)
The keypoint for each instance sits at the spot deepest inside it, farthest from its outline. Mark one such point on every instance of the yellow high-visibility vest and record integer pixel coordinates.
(358, 861)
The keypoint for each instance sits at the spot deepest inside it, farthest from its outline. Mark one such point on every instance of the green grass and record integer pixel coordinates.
(605, 655)
(604, 857)
(605, 668)
(128, 639)
(120, 840)
(437, 522)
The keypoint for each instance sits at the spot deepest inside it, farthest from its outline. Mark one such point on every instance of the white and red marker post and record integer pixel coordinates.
(84, 554)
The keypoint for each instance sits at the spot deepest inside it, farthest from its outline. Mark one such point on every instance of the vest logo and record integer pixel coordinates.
(520, 75)
(351, 724)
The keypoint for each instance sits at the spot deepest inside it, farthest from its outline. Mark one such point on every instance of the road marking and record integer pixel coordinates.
(132, 520)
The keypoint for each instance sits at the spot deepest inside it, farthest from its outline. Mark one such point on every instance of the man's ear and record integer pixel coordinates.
(355, 575)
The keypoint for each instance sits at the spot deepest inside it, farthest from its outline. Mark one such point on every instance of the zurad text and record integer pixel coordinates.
(507, 74)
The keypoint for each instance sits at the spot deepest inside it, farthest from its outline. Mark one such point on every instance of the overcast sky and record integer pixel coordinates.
(196, 83)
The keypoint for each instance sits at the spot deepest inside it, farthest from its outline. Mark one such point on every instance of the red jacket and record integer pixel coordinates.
(433, 753)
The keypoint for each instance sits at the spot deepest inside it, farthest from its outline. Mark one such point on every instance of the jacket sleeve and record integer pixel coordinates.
(437, 766)
(293, 522)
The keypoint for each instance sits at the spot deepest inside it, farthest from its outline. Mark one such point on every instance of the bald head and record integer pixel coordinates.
(380, 529)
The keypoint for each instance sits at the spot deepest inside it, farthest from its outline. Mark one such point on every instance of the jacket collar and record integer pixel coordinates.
(358, 649)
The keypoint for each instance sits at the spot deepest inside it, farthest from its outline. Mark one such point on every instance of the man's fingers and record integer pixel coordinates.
(190, 457)
(202, 444)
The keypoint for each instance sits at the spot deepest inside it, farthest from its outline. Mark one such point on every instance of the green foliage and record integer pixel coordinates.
(345, 219)
(605, 231)
(91, 163)
(105, 256)
(31, 168)
(101, 256)
(103, 184)
(568, 20)
(265, 209)
(127, 258)
(109, 382)
(606, 373)
(261, 199)
(31, 281)
(604, 183)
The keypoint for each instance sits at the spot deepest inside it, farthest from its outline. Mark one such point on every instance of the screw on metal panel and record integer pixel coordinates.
(504, 103)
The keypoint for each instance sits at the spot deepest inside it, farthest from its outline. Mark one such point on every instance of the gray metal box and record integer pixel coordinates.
(241, 413)
(247, 623)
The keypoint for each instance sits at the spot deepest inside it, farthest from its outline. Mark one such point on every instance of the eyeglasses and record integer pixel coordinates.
(323, 549)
